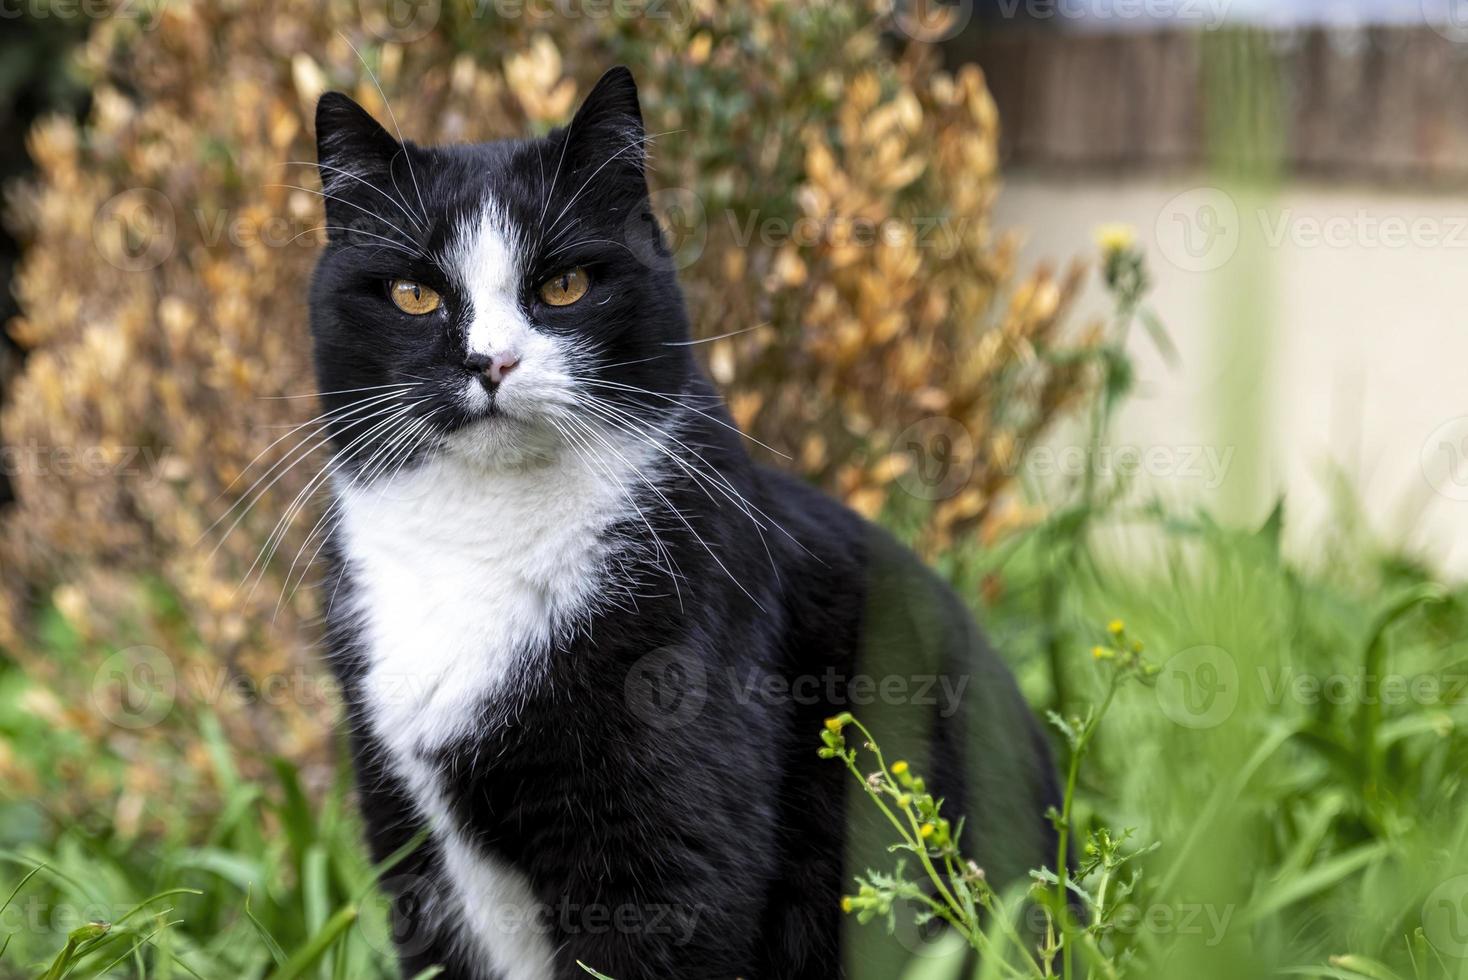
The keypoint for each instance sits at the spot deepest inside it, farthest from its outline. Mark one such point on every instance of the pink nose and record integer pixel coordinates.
(492, 367)
(501, 365)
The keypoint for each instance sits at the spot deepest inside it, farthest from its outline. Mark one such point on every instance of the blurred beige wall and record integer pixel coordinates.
(1355, 297)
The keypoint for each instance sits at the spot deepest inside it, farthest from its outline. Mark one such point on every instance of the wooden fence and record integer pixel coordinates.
(1378, 103)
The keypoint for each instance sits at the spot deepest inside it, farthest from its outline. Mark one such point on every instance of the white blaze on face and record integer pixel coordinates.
(488, 262)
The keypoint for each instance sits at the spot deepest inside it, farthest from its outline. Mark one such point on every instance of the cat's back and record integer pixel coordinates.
(915, 666)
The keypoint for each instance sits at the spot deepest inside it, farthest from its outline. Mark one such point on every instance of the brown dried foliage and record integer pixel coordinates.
(772, 113)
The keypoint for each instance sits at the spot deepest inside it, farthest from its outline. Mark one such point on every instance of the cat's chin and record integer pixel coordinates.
(500, 441)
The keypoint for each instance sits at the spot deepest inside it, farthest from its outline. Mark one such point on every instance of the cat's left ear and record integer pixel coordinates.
(356, 157)
(606, 134)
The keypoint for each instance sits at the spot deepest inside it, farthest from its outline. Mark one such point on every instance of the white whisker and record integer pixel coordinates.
(366, 183)
(388, 242)
(676, 513)
(632, 145)
(343, 391)
(674, 573)
(710, 340)
(676, 400)
(282, 526)
(393, 116)
(326, 196)
(343, 414)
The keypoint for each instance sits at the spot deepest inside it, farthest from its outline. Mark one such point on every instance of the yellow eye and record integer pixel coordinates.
(413, 297)
(565, 288)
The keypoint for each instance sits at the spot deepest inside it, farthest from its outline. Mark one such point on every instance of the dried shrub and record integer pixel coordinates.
(163, 292)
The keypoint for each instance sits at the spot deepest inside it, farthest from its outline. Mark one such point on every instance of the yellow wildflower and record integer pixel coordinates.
(1115, 238)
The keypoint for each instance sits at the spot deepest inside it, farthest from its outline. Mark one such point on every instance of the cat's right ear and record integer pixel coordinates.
(350, 143)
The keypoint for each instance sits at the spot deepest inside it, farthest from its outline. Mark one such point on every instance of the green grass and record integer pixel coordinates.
(1292, 822)
(276, 885)
(1296, 766)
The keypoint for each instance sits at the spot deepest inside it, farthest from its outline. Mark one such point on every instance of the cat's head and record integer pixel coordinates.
(482, 293)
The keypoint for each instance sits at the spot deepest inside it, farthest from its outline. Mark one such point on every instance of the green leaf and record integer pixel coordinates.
(295, 811)
(599, 976)
(945, 959)
(315, 894)
(1317, 879)
(1272, 529)
(276, 953)
(1160, 338)
(1364, 966)
(311, 953)
(19, 885)
(151, 899)
(237, 869)
(75, 940)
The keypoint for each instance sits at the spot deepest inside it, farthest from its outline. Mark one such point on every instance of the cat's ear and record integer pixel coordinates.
(612, 105)
(352, 149)
(606, 134)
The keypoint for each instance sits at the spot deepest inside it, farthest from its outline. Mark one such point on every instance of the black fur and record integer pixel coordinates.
(665, 800)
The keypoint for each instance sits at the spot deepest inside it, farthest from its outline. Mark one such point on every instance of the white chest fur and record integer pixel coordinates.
(462, 578)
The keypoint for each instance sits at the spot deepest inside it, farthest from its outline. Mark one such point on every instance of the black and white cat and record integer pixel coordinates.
(586, 643)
